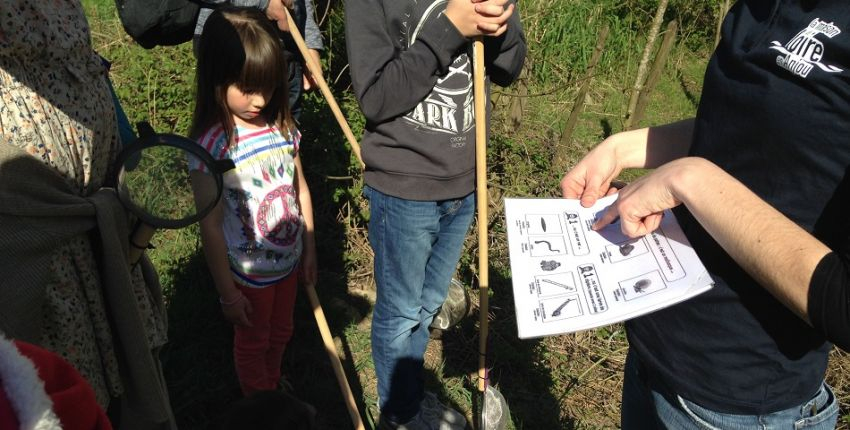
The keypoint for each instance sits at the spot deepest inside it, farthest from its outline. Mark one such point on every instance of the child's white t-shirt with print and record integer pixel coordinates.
(262, 222)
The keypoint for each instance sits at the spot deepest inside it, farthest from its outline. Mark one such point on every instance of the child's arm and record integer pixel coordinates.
(309, 266)
(389, 80)
(233, 304)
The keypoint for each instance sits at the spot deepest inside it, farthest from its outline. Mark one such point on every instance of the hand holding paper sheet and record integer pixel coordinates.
(567, 277)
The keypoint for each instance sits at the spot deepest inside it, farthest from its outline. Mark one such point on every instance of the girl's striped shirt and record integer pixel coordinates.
(262, 221)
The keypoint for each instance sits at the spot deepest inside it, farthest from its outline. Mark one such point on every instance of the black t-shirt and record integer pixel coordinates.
(774, 113)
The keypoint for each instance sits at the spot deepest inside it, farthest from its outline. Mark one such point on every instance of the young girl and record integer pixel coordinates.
(263, 225)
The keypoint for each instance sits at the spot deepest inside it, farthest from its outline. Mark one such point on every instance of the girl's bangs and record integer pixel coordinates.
(259, 74)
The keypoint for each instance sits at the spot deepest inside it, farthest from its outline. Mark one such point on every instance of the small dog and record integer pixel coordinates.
(270, 410)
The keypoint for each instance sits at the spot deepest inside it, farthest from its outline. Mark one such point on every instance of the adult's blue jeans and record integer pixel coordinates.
(647, 405)
(417, 245)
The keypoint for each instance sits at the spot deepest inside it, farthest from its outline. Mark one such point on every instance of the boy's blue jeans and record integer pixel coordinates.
(417, 245)
(649, 406)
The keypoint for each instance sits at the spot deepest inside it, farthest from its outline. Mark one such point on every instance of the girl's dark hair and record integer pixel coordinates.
(239, 46)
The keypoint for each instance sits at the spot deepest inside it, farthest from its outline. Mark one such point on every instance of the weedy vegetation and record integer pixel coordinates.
(561, 382)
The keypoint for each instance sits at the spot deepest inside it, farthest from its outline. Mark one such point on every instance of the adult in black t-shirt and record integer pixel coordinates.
(760, 178)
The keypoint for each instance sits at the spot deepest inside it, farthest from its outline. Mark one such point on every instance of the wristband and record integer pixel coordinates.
(235, 301)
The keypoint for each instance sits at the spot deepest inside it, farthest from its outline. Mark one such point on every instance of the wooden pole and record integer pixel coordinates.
(480, 103)
(321, 322)
(330, 348)
(316, 71)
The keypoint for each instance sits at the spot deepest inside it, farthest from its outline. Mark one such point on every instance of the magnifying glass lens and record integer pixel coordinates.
(156, 180)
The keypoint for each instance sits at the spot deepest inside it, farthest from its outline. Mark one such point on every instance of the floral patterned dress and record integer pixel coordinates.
(55, 104)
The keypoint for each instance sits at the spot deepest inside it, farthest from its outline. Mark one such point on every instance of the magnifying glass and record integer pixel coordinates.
(153, 179)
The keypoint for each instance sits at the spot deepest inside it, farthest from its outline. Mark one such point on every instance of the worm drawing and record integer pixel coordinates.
(642, 285)
(543, 223)
(557, 311)
(549, 245)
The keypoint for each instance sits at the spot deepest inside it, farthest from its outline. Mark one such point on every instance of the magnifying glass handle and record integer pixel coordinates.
(139, 241)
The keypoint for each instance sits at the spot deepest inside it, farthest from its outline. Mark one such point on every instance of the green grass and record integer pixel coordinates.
(559, 382)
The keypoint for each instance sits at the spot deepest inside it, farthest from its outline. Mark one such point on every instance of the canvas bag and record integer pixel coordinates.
(158, 22)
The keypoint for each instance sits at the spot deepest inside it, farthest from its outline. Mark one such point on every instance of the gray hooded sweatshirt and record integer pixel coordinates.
(412, 75)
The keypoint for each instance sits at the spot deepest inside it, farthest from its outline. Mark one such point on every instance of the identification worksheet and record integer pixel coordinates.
(567, 277)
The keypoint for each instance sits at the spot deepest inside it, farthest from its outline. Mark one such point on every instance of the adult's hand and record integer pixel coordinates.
(479, 17)
(646, 148)
(591, 178)
(276, 11)
(640, 205)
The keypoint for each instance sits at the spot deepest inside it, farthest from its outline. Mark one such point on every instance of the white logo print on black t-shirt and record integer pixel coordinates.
(804, 51)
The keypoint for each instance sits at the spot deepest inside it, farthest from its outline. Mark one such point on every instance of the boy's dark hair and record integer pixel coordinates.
(239, 46)
(270, 410)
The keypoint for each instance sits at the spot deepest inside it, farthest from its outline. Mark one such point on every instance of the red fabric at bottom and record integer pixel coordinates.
(73, 398)
(8, 419)
(258, 350)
